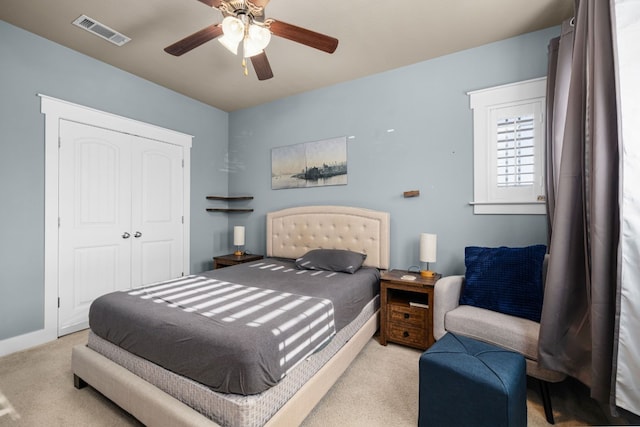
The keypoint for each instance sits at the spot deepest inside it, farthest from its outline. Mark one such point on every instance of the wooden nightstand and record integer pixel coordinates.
(406, 311)
(231, 259)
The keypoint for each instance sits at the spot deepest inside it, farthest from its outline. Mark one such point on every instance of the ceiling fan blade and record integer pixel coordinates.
(212, 3)
(194, 40)
(304, 36)
(261, 66)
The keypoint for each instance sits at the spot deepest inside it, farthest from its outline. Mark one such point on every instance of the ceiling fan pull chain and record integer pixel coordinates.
(244, 66)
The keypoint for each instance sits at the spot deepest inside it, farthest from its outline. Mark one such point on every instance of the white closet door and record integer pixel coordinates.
(94, 218)
(157, 212)
(121, 216)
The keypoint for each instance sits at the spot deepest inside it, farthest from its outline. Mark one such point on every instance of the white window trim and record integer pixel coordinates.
(482, 102)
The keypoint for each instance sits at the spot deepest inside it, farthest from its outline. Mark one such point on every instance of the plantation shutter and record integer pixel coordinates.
(515, 151)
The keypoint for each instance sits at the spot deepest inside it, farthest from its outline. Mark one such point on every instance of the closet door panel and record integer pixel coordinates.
(94, 213)
(157, 211)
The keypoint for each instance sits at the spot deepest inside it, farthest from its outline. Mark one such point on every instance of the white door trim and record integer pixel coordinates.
(55, 109)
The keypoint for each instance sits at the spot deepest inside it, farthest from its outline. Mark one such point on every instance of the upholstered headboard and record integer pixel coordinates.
(293, 232)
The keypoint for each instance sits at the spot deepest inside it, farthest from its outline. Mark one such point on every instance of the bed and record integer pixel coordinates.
(159, 396)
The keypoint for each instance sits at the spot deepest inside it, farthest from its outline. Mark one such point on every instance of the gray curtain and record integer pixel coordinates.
(578, 317)
(558, 80)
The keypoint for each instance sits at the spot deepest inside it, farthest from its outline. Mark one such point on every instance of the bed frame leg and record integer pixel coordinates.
(79, 382)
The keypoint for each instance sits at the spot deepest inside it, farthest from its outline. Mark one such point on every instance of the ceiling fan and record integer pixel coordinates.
(244, 22)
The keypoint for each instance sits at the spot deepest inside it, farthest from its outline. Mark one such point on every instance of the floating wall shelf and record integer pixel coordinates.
(230, 199)
(228, 210)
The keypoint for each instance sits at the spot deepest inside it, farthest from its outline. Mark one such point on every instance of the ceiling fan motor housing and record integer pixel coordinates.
(241, 10)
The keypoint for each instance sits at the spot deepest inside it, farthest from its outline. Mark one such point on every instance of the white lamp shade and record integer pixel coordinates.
(238, 235)
(250, 48)
(428, 247)
(257, 39)
(233, 33)
(231, 45)
(233, 28)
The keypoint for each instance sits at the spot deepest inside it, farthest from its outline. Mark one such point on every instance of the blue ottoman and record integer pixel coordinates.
(465, 382)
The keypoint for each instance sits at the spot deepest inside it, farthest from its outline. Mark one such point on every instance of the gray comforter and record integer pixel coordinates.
(238, 329)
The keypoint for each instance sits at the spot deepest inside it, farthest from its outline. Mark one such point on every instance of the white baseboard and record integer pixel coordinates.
(26, 341)
(69, 329)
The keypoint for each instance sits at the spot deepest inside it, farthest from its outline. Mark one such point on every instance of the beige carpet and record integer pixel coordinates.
(379, 389)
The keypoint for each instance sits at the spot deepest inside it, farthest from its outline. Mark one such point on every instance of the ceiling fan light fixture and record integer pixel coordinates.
(260, 35)
(233, 33)
(256, 40)
(250, 49)
(230, 44)
(233, 27)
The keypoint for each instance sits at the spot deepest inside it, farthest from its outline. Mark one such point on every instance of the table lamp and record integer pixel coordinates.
(428, 243)
(238, 239)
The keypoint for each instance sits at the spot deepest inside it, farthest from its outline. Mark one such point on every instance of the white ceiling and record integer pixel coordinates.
(374, 36)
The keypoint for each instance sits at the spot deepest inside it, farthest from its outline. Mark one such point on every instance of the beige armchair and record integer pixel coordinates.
(509, 332)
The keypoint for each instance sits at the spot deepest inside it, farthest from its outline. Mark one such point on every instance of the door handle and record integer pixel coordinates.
(138, 234)
(126, 235)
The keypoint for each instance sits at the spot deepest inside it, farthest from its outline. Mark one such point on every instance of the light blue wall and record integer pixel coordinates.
(31, 65)
(430, 150)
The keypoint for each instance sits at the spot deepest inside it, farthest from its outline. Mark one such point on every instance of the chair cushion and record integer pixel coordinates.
(507, 280)
(509, 332)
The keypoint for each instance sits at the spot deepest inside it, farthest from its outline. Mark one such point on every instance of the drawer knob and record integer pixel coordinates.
(405, 334)
(406, 315)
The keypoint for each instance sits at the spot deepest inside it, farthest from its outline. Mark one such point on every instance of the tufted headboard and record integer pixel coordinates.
(293, 232)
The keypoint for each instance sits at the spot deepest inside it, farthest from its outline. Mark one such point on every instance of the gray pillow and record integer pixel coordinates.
(338, 260)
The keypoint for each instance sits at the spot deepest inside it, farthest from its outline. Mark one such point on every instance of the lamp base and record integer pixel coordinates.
(238, 253)
(427, 273)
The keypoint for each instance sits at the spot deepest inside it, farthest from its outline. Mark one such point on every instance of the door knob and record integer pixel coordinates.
(138, 234)
(126, 235)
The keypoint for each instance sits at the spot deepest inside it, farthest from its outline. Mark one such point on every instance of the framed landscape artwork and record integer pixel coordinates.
(310, 164)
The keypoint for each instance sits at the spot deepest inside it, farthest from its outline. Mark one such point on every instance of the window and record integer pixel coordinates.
(515, 151)
(508, 138)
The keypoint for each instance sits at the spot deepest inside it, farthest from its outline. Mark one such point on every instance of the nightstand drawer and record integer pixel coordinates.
(400, 313)
(409, 335)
